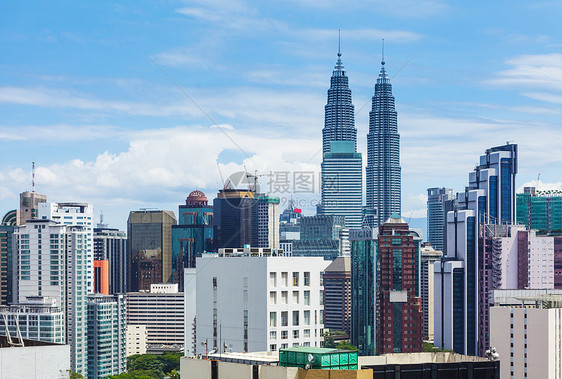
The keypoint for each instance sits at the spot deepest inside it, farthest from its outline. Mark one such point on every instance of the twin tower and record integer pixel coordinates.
(342, 179)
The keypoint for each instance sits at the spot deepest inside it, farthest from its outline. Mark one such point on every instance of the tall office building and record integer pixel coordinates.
(233, 218)
(364, 246)
(342, 184)
(428, 258)
(193, 235)
(107, 326)
(437, 209)
(400, 322)
(53, 262)
(265, 220)
(74, 214)
(337, 295)
(383, 170)
(149, 248)
(540, 210)
(464, 279)
(111, 245)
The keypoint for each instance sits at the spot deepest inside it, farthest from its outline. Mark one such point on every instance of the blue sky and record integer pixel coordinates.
(80, 94)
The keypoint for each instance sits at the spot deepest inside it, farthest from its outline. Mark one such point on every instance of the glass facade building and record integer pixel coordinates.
(383, 170)
(436, 212)
(364, 244)
(540, 210)
(107, 335)
(342, 184)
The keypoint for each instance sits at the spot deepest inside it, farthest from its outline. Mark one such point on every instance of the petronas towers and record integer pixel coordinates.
(342, 186)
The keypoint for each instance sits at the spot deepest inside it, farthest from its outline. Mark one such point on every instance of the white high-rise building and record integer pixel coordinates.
(53, 262)
(74, 214)
(254, 301)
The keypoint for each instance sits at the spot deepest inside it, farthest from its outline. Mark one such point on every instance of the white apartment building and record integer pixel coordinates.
(53, 262)
(527, 335)
(136, 339)
(162, 312)
(74, 214)
(38, 318)
(254, 302)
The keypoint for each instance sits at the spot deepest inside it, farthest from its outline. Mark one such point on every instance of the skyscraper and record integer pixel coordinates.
(436, 214)
(342, 185)
(111, 245)
(149, 248)
(400, 321)
(383, 155)
(464, 279)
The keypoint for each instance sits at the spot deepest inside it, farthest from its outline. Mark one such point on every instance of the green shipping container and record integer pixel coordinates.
(322, 358)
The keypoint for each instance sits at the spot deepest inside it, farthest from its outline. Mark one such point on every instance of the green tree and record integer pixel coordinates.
(430, 348)
(345, 345)
(329, 342)
(136, 374)
(148, 362)
(171, 361)
(75, 375)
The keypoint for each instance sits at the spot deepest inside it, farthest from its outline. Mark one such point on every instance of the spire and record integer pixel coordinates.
(33, 176)
(383, 76)
(339, 70)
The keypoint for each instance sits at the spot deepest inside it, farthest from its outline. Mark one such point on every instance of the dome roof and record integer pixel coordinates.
(196, 198)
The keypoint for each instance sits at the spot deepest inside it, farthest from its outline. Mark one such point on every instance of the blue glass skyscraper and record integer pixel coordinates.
(383, 155)
(342, 187)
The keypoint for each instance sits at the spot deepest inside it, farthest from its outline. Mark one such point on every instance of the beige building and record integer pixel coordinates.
(136, 339)
(161, 311)
(527, 336)
(428, 257)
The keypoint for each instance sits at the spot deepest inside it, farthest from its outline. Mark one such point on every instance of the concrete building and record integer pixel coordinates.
(38, 318)
(136, 339)
(59, 272)
(29, 206)
(428, 257)
(162, 312)
(527, 334)
(101, 277)
(255, 301)
(266, 222)
(400, 317)
(364, 251)
(74, 214)
(111, 245)
(106, 335)
(437, 208)
(337, 295)
(149, 248)
(36, 359)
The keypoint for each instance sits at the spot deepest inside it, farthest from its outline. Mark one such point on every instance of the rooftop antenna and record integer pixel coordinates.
(339, 42)
(382, 62)
(33, 176)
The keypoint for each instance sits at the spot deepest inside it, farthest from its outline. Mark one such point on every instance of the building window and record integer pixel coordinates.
(284, 297)
(321, 316)
(273, 335)
(285, 279)
(284, 334)
(273, 279)
(273, 298)
(296, 333)
(306, 333)
(284, 318)
(284, 346)
(306, 297)
(295, 318)
(273, 347)
(273, 319)
(295, 297)
(215, 283)
(306, 315)
(306, 279)
(321, 297)
(295, 279)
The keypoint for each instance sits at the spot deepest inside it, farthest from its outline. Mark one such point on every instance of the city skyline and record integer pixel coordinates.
(84, 95)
